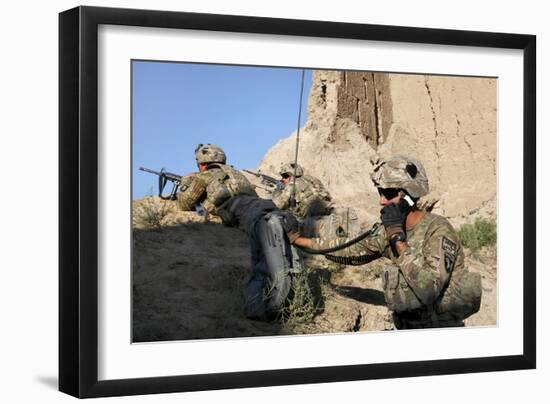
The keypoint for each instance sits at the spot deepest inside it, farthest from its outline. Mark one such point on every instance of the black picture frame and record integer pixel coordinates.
(78, 196)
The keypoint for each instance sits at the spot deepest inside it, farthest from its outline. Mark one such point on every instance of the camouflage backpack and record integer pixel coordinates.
(226, 183)
(462, 296)
(312, 198)
(342, 223)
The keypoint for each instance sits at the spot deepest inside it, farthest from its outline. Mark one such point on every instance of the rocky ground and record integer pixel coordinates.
(188, 273)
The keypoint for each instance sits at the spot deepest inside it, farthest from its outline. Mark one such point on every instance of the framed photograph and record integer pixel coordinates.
(251, 202)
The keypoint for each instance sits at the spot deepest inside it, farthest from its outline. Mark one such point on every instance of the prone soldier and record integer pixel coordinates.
(427, 283)
(309, 200)
(310, 195)
(226, 192)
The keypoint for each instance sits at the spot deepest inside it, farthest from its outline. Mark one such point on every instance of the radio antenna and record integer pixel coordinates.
(293, 195)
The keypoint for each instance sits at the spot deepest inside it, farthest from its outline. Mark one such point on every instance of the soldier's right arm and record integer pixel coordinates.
(372, 245)
(193, 191)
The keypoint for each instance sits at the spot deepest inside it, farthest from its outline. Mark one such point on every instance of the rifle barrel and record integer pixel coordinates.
(251, 172)
(148, 170)
(264, 176)
(169, 176)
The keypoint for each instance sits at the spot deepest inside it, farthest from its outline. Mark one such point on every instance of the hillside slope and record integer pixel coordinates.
(188, 275)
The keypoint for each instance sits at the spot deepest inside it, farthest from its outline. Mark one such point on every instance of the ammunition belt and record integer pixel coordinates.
(357, 260)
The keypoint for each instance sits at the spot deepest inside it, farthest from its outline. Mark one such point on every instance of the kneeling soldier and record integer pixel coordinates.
(427, 284)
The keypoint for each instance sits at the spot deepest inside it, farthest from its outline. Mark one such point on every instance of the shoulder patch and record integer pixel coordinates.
(448, 245)
(449, 248)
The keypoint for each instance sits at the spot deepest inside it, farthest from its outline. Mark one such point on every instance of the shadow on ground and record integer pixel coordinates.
(370, 296)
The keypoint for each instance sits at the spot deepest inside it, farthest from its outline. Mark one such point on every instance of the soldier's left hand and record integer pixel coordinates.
(290, 225)
(289, 222)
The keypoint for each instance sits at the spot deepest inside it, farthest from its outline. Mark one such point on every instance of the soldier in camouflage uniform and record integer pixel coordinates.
(426, 284)
(313, 205)
(310, 195)
(226, 192)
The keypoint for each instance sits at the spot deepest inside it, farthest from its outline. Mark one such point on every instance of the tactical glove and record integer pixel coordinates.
(290, 225)
(393, 217)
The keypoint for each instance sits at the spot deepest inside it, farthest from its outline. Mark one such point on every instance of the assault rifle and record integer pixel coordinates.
(267, 180)
(175, 179)
(164, 178)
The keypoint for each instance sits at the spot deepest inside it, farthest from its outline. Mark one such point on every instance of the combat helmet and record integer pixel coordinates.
(209, 153)
(288, 169)
(404, 173)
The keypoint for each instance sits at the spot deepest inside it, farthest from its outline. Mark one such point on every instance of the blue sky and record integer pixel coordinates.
(175, 106)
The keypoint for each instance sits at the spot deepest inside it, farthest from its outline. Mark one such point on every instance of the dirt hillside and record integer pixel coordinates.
(189, 272)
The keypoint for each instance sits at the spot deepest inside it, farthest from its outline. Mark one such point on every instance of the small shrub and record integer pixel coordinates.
(301, 307)
(151, 213)
(481, 233)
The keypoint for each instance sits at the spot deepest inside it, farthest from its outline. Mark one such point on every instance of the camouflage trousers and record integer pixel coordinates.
(408, 311)
(273, 261)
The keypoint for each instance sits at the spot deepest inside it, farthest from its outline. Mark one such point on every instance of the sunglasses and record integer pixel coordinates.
(388, 193)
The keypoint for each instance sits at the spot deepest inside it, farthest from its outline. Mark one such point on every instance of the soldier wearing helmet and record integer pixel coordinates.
(314, 206)
(310, 196)
(224, 191)
(427, 283)
(291, 170)
(205, 154)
